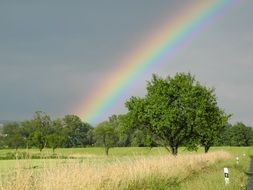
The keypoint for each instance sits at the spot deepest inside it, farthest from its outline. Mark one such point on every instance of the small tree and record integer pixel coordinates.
(27, 129)
(75, 131)
(42, 126)
(105, 135)
(55, 141)
(38, 139)
(12, 136)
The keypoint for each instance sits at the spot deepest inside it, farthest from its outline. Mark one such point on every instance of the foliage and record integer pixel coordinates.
(75, 131)
(241, 135)
(175, 110)
(105, 134)
(43, 127)
(236, 135)
(12, 136)
(54, 141)
(210, 119)
(42, 132)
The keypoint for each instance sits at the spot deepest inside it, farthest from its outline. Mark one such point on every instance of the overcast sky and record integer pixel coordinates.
(53, 53)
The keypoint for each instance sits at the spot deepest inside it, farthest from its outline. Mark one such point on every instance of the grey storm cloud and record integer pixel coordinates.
(52, 54)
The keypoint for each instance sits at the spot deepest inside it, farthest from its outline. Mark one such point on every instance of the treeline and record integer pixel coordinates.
(236, 135)
(176, 111)
(70, 132)
(41, 131)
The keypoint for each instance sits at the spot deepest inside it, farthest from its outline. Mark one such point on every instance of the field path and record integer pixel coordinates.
(250, 185)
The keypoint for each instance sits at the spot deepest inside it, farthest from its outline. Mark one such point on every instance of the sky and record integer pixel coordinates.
(54, 53)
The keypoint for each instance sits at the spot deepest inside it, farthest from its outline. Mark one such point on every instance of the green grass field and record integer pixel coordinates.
(124, 168)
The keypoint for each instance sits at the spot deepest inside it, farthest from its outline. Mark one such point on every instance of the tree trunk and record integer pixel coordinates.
(174, 150)
(106, 151)
(207, 148)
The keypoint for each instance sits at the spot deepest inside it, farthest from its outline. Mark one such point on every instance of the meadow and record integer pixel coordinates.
(124, 168)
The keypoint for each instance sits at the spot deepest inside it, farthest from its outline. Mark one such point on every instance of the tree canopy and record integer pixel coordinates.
(106, 135)
(176, 110)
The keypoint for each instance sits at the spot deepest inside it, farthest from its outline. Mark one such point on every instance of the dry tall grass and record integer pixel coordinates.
(117, 174)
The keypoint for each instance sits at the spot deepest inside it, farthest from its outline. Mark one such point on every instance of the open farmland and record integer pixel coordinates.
(124, 168)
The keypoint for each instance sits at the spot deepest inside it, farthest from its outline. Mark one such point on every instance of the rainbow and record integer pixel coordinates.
(158, 49)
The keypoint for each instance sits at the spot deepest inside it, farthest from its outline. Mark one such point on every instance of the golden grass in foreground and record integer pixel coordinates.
(131, 173)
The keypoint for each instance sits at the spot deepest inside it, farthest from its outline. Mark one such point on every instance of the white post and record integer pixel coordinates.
(226, 176)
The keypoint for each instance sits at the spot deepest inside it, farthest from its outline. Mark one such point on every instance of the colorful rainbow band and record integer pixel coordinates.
(166, 43)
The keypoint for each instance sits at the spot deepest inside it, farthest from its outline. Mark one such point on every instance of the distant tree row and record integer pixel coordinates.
(41, 131)
(236, 135)
(176, 111)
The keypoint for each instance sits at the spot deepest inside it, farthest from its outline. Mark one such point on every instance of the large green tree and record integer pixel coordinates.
(170, 110)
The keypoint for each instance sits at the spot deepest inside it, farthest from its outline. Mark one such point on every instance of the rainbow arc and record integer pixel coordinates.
(161, 46)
